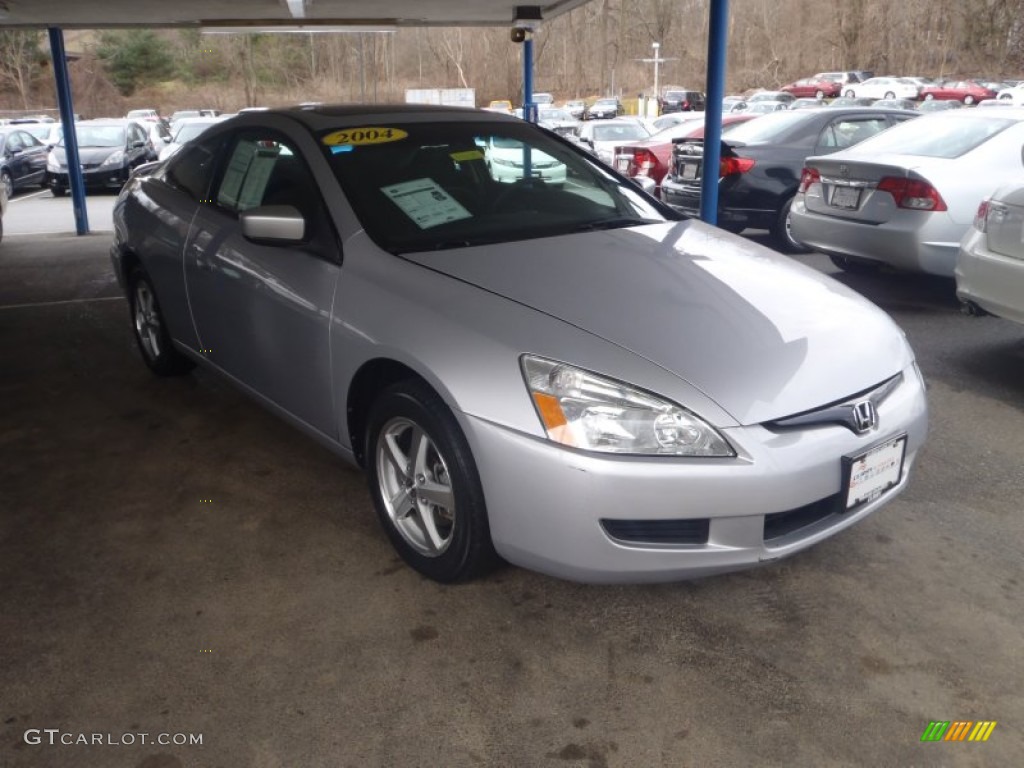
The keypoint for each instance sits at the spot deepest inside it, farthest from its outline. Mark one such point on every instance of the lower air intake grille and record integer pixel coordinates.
(658, 531)
(780, 524)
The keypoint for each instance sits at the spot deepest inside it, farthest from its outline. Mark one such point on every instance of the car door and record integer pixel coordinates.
(262, 309)
(18, 160)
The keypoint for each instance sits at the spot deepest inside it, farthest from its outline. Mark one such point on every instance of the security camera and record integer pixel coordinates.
(518, 34)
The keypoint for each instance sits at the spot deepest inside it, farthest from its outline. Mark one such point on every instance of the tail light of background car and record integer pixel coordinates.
(730, 165)
(914, 194)
(981, 217)
(807, 177)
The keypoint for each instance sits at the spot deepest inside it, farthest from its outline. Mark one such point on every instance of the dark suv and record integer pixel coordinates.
(681, 101)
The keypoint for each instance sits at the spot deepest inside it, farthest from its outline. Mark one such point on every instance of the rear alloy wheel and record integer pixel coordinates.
(819, 95)
(782, 232)
(8, 183)
(968, 99)
(425, 485)
(856, 266)
(849, 94)
(149, 330)
(929, 96)
(890, 95)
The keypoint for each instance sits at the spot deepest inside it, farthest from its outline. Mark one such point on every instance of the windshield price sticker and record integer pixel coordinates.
(358, 137)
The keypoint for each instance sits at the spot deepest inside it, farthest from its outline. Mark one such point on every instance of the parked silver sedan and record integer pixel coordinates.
(990, 266)
(570, 377)
(907, 196)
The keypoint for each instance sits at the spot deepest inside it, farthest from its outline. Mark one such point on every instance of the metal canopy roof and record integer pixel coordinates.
(95, 14)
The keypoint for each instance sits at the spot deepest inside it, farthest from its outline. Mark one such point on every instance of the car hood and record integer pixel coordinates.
(760, 334)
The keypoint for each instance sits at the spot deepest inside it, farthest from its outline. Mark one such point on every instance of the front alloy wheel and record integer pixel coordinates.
(148, 326)
(425, 485)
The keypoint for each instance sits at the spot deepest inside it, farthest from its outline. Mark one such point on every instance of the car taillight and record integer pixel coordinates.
(730, 165)
(807, 177)
(981, 217)
(914, 194)
(644, 161)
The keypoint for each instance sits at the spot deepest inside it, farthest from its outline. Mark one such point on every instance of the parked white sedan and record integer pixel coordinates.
(907, 196)
(884, 88)
(990, 265)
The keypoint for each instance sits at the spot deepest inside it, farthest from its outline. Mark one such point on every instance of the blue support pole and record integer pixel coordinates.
(529, 108)
(67, 119)
(718, 34)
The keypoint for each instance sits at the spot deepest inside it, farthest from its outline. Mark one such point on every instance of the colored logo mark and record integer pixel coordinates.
(958, 730)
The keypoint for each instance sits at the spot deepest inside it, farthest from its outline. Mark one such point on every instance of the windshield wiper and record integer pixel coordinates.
(613, 223)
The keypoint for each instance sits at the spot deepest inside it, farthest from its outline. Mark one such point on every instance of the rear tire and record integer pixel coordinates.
(856, 266)
(890, 95)
(929, 96)
(8, 184)
(968, 99)
(849, 94)
(150, 332)
(782, 232)
(425, 485)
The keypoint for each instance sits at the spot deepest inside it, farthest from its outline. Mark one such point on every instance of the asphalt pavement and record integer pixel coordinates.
(38, 212)
(177, 562)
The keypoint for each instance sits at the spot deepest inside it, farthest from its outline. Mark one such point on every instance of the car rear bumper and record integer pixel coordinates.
(991, 280)
(917, 241)
(596, 518)
(686, 199)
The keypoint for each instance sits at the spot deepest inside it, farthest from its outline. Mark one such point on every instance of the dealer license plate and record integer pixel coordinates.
(689, 171)
(874, 472)
(845, 197)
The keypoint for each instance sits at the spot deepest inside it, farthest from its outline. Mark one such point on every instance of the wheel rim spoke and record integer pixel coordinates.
(415, 488)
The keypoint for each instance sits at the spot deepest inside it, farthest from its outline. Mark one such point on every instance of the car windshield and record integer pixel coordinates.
(189, 131)
(936, 136)
(437, 186)
(620, 131)
(99, 135)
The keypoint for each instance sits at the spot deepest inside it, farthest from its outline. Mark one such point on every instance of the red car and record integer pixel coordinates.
(813, 87)
(652, 157)
(967, 91)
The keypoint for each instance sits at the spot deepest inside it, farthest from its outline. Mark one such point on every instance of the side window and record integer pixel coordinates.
(191, 169)
(14, 142)
(264, 168)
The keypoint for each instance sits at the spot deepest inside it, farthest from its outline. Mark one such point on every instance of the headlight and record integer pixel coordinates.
(502, 161)
(116, 158)
(595, 413)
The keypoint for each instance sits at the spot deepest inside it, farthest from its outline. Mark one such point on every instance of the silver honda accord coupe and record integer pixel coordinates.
(571, 376)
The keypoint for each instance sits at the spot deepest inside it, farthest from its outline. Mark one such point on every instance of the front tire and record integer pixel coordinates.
(8, 184)
(149, 329)
(890, 95)
(425, 485)
(782, 232)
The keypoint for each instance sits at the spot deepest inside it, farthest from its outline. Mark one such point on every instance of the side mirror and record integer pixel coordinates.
(280, 224)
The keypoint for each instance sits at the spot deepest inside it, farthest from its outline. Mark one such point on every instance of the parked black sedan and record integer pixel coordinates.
(22, 159)
(108, 150)
(761, 164)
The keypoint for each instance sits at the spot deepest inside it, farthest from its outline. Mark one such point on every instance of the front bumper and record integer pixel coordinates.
(94, 178)
(549, 507)
(916, 241)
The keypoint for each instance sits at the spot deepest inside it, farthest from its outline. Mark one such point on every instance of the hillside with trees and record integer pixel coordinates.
(594, 50)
